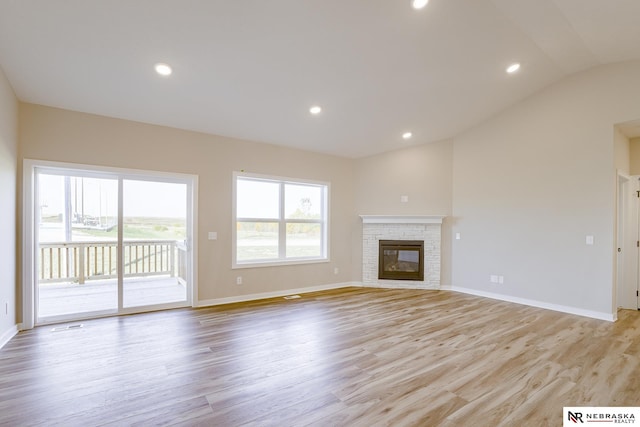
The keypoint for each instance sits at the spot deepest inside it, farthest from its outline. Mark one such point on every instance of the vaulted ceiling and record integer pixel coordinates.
(252, 69)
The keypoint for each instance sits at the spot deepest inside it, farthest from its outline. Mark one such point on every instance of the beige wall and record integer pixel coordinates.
(530, 184)
(8, 224)
(622, 152)
(60, 135)
(634, 155)
(423, 173)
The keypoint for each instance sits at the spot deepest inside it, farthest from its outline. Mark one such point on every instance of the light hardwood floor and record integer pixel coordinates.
(349, 357)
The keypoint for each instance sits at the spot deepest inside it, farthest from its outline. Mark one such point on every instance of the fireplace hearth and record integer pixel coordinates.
(401, 260)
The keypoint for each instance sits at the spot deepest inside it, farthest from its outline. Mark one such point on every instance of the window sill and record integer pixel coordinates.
(272, 263)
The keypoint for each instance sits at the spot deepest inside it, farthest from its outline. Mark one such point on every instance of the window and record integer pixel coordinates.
(279, 221)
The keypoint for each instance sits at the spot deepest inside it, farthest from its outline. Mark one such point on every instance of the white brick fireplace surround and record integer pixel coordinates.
(401, 227)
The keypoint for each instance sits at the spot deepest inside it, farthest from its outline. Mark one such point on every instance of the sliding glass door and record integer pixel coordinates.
(109, 242)
(77, 244)
(154, 243)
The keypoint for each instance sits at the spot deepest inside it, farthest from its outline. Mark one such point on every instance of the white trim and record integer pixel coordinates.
(120, 244)
(29, 273)
(623, 174)
(192, 246)
(279, 178)
(275, 294)
(610, 317)
(94, 170)
(8, 334)
(274, 263)
(402, 219)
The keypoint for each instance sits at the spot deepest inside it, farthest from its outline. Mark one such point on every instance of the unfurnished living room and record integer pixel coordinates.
(319, 213)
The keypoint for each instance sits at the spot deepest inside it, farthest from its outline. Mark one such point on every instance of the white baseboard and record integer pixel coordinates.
(8, 334)
(274, 294)
(610, 317)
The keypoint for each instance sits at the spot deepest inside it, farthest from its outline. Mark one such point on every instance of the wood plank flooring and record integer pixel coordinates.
(349, 357)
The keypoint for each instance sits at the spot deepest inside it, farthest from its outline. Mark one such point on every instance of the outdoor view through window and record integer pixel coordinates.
(78, 243)
(280, 220)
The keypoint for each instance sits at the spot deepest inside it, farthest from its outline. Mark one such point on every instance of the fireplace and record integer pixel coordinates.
(424, 228)
(401, 260)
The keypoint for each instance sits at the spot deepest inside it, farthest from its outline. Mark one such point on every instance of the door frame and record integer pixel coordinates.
(29, 230)
(627, 228)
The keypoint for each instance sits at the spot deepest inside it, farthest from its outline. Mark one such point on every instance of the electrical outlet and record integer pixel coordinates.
(493, 278)
(239, 280)
(501, 279)
(336, 271)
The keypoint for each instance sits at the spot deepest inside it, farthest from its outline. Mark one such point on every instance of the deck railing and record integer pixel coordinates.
(82, 261)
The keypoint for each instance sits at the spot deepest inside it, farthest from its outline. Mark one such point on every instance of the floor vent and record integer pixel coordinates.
(292, 297)
(67, 328)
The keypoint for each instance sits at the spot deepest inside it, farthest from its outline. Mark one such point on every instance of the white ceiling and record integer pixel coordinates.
(251, 69)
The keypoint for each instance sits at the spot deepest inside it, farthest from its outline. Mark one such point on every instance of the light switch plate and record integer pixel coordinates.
(589, 240)
(213, 235)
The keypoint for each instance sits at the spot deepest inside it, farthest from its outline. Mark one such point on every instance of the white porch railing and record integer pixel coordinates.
(82, 261)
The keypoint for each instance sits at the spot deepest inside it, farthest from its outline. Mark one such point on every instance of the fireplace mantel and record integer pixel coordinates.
(402, 219)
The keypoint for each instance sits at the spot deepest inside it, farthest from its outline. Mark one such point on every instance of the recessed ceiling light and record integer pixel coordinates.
(513, 68)
(407, 135)
(163, 69)
(419, 4)
(315, 110)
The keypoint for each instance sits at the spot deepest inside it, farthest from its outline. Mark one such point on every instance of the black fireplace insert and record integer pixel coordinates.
(401, 260)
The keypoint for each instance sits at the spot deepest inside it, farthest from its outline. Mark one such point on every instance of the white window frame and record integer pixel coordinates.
(282, 221)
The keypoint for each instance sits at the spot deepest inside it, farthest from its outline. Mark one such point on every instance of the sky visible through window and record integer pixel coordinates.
(261, 199)
(258, 199)
(93, 207)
